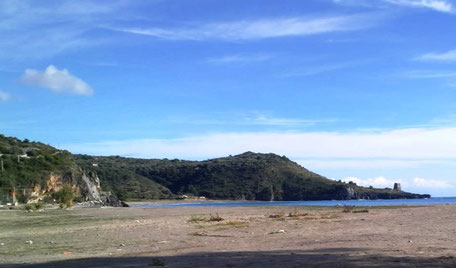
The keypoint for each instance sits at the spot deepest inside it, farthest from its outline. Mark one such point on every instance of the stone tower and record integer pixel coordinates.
(397, 186)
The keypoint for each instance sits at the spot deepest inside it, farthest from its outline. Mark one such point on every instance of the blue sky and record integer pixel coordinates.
(359, 90)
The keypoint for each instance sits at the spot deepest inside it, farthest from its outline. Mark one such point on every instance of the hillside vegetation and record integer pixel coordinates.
(26, 163)
(248, 176)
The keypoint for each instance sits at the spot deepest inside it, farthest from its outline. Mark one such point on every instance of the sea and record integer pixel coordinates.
(326, 203)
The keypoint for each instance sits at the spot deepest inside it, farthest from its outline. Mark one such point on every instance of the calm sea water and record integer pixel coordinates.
(382, 202)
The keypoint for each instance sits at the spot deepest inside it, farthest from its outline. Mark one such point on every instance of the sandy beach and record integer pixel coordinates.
(422, 236)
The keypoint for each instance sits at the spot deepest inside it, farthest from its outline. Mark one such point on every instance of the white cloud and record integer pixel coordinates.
(239, 59)
(431, 183)
(448, 56)
(4, 96)
(378, 182)
(56, 80)
(257, 29)
(382, 182)
(411, 143)
(366, 164)
(438, 5)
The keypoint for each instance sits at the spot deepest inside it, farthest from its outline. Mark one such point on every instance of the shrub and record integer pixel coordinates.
(277, 216)
(215, 217)
(196, 218)
(348, 209)
(295, 214)
(38, 206)
(28, 207)
(65, 196)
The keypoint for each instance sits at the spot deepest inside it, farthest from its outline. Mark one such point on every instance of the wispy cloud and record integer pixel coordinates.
(449, 56)
(56, 80)
(254, 118)
(257, 29)
(411, 143)
(262, 119)
(33, 30)
(430, 74)
(444, 6)
(4, 96)
(315, 70)
(437, 5)
(239, 59)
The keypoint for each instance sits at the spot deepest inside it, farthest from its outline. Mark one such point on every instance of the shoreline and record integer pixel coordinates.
(323, 203)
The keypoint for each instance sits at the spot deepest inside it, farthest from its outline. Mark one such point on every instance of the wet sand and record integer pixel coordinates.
(422, 236)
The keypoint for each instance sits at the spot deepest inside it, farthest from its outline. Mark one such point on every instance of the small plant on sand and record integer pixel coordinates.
(280, 215)
(196, 218)
(348, 209)
(32, 207)
(295, 214)
(215, 217)
(364, 210)
(28, 208)
(38, 206)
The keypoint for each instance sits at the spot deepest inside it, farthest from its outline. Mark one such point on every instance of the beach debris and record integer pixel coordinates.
(278, 232)
(410, 241)
(29, 242)
(137, 221)
(67, 253)
(122, 245)
(2, 244)
(277, 216)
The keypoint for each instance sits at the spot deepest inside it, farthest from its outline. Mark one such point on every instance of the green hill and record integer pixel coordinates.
(40, 169)
(26, 164)
(247, 176)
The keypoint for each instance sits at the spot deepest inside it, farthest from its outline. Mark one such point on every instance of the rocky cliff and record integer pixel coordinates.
(85, 185)
(33, 171)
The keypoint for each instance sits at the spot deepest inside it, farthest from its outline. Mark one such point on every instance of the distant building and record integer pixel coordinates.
(397, 186)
